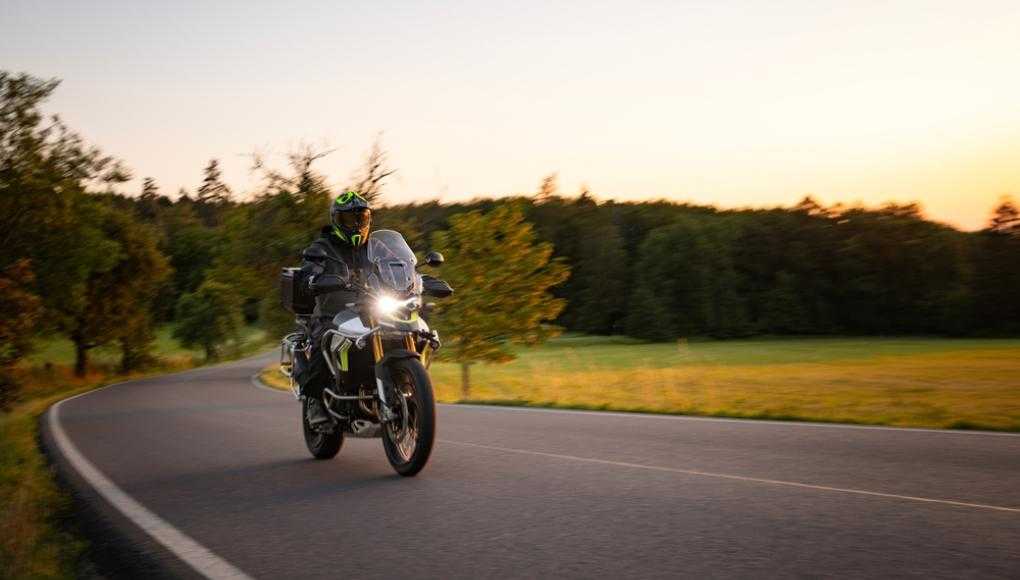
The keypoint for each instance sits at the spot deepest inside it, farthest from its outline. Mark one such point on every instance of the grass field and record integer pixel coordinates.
(60, 351)
(916, 382)
(906, 382)
(34, 540)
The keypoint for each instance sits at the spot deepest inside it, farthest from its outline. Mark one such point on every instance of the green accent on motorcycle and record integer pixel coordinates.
(345, 364)
(412, 318)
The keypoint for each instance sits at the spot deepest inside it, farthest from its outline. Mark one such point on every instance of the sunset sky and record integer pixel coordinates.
(726, 103)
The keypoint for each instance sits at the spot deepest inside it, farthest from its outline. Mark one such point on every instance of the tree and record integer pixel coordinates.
(648, 317)
(19, 311)
(599, 301)
(150, 191)
(37, 157)
(369, 180)
(138, 278)
(1005, 218)
(809, 206)
(673, 278)
(149, 200)
(502, 276)
(267, 234)
(597, 288)
(548, 189)
(209, 318)
(213, 190)
(192, 248)
(46, 171)
(213, 196)
(783, 309)
(996, 278)
(117, 302)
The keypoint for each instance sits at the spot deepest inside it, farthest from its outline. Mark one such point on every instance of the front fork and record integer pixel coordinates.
(382, 374)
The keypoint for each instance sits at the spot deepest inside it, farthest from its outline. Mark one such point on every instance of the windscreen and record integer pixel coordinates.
(393, 261)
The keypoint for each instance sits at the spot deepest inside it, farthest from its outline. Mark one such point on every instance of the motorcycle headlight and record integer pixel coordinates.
(389, 306)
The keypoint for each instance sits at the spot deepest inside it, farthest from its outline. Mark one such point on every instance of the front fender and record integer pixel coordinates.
(384, 381)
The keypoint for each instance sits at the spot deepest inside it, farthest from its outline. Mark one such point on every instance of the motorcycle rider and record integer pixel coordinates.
(327, 265)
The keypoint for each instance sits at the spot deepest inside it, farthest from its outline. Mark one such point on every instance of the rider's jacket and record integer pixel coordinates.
(328, 255)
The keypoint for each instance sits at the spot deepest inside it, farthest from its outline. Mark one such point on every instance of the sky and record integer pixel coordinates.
(734, 104)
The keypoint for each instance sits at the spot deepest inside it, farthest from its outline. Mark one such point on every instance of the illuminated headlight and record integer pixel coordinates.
(388, 305)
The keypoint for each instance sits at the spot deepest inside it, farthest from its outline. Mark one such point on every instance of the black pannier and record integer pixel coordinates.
(294, 294)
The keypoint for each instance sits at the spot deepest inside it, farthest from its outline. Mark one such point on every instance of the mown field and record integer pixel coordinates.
(915, 382)
(905, 382)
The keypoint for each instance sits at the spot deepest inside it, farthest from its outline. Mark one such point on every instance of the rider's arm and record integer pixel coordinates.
(313, 266)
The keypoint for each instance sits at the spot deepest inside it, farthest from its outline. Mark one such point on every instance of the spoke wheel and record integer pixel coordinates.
(321, 444)
(409, 436)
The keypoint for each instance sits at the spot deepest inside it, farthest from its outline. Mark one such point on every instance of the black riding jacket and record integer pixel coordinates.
(329, 255)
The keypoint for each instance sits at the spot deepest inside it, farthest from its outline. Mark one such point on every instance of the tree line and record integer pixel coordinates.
(664, 270)
(82, 258)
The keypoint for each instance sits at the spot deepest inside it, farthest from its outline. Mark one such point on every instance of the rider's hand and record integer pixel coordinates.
(327, 283)
(435, 287)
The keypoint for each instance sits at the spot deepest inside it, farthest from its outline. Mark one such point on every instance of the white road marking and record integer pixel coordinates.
(204, 561)
(734, 477)
(256, 381)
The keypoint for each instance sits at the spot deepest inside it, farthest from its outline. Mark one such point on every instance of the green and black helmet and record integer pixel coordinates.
(351, 218)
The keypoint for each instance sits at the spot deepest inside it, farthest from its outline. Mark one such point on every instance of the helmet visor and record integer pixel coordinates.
(357, 219)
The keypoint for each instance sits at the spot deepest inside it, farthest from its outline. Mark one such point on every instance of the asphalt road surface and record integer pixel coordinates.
(203, 472)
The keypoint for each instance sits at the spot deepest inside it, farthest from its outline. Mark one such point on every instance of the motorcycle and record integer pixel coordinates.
(378, 351)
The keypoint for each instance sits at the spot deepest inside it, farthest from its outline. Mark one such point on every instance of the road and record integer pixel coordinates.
(216, 470)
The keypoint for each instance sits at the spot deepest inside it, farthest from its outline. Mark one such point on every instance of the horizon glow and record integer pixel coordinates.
(732, 104)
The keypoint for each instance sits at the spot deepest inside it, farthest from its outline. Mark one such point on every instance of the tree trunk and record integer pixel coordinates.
(465, 381)
(133, 355)
(81, 358)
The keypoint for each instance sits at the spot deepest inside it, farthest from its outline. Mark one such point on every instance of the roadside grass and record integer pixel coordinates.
(36, 540)
(271, 377)
(903, 382)
(58, 350)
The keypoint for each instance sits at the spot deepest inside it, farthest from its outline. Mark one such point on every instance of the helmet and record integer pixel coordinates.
(351, 218)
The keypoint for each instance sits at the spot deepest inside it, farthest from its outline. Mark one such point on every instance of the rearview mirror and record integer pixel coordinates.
(433, 259)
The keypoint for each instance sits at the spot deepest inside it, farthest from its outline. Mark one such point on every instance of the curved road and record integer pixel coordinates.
(215, 471)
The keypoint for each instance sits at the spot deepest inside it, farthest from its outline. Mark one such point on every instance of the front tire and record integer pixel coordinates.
(322, 445)
(408, 449)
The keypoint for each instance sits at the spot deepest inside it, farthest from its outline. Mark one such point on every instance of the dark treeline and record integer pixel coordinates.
(655, 270)
(663, 270)
(102, 267)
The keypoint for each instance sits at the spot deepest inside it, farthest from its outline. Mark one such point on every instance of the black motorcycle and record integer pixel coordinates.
(378, 350)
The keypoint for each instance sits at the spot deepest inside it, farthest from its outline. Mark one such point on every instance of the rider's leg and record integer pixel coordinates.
(316, 378)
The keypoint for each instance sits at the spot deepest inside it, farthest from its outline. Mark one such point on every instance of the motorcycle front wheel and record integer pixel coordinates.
(408, 438)
(322, 445)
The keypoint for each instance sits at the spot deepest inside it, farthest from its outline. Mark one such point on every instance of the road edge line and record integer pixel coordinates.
(198, 557)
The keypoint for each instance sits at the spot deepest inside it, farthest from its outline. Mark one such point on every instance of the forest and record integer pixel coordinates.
(83, 256)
